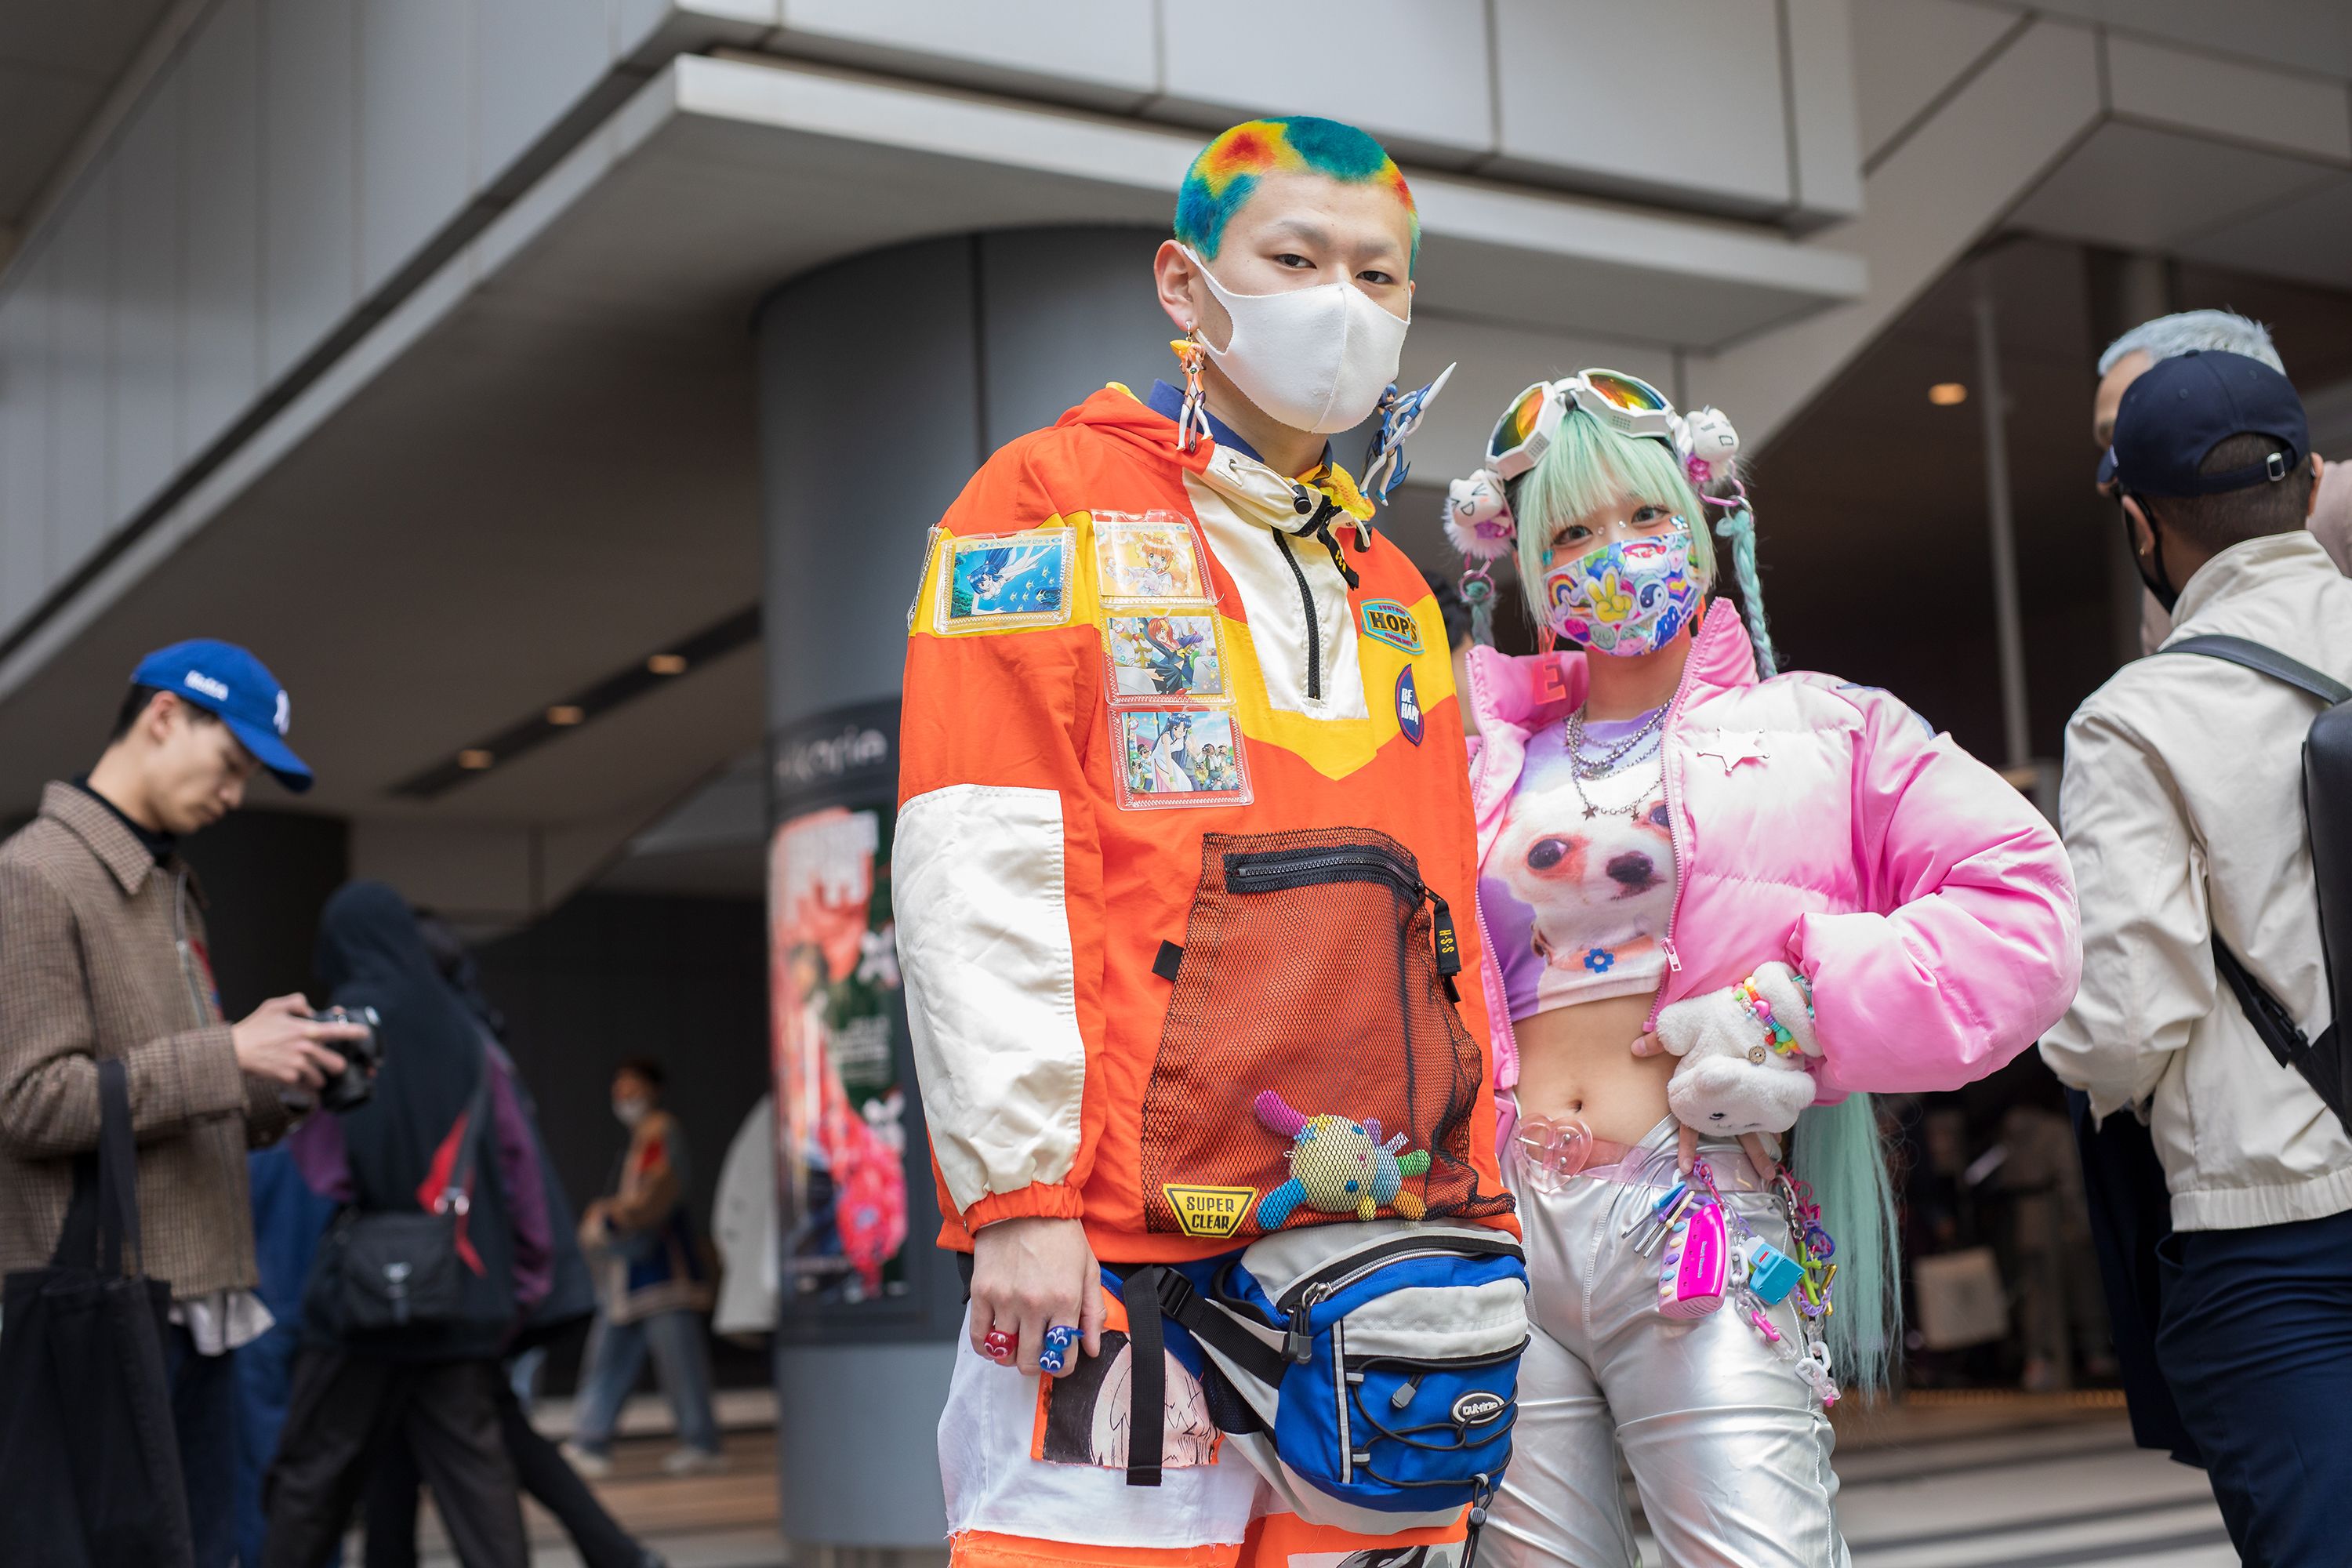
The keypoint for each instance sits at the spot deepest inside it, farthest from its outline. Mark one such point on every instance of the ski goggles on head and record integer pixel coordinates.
(1626, 404)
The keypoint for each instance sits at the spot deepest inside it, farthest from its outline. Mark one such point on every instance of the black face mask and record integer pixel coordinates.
(2151, 568)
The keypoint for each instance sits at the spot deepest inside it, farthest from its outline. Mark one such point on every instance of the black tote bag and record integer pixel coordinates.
(89, 1464)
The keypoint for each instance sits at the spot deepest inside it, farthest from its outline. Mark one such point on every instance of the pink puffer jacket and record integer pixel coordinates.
(1822, 823)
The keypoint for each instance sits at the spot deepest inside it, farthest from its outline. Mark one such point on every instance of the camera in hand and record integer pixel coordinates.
(351, 1088)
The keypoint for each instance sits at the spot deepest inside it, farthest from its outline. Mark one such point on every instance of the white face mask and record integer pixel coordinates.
(1317, 359)
(630, 1109)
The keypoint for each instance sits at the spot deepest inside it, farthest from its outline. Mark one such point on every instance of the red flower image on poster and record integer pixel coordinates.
(841, 1110)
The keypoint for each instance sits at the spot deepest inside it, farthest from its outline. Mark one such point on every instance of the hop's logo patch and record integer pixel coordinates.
(1387, 621)
(1210, 1211)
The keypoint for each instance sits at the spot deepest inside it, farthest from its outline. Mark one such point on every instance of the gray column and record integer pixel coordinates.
(885, 381)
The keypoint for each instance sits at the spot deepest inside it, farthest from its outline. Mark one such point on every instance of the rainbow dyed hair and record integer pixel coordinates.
(1228, 169)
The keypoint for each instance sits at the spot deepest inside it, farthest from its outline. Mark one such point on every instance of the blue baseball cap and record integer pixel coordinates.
(225, 679)
(2179, 409)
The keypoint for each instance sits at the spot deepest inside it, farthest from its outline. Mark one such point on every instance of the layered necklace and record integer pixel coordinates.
(1594, 761)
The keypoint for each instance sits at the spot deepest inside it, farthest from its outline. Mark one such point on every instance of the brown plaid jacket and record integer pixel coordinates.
(102, 955)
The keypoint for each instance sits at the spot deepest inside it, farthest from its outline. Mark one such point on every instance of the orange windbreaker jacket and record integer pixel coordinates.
(1184, 861)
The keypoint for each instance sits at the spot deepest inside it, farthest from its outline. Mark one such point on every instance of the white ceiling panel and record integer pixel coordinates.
(2307, 238)
(2142, 189)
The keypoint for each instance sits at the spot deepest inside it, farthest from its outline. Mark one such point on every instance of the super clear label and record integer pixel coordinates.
(1210, 1211)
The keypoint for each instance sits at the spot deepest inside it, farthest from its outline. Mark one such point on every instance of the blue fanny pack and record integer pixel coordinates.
(1375, 1366)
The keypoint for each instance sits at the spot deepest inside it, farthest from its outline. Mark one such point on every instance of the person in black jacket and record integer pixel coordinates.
(407, 1150)
(539, 1466)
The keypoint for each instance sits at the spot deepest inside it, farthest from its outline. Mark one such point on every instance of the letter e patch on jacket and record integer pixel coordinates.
(1210, 1211)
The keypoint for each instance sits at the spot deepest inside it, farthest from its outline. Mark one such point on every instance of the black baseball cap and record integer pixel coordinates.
(2181, 408)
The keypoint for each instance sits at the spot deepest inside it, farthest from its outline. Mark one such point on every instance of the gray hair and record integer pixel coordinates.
(2169, 337)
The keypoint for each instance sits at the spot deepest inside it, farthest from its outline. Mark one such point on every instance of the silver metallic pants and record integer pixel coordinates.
(1728, 1447)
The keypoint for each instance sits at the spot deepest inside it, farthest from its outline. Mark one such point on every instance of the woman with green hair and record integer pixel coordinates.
(1722, 906)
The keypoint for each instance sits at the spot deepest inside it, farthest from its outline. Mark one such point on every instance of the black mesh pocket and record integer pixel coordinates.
(1313, 1066)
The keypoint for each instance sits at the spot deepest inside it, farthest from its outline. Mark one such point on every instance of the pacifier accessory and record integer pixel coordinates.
(1054, 1358)
(1555, 1148)
(1384, 461)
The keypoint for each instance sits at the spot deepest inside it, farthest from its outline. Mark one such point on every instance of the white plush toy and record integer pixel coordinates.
(1731, 1080)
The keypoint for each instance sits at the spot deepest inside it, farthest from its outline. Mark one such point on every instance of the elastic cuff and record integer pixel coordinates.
(1039, 1200)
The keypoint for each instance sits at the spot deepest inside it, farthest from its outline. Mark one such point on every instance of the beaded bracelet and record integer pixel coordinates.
(1777, 1034)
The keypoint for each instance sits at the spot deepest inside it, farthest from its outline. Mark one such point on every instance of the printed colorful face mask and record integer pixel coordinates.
(1626, 598)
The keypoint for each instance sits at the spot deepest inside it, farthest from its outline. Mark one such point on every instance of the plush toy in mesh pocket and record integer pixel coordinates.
(1338, 1166)
(1746, 1051)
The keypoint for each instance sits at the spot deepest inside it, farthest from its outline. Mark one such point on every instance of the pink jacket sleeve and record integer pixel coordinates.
(1979, 948)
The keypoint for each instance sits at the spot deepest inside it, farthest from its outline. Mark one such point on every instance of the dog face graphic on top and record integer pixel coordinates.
(1599, 887)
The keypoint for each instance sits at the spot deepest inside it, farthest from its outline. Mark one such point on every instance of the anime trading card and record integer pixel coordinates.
(1179, 757)
(1004, 580)
(1154, 555)
(1164, 656)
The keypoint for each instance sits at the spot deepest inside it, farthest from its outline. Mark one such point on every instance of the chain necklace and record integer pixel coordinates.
(1616, 759)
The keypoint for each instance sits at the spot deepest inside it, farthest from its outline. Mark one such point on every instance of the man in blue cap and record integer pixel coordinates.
(102, 957)
(2183, 816)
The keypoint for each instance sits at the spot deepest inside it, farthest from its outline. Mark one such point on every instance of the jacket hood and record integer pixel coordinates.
(1256, 491)
(1118, 413)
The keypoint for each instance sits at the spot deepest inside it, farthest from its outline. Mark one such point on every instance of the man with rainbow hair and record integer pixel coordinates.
(1096, 999)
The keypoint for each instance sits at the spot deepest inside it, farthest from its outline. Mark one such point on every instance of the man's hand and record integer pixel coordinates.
(1029, 1275)
(280, 1040)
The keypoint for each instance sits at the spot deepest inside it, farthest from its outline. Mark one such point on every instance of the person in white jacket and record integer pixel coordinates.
(2183, 814)
(744, 1224)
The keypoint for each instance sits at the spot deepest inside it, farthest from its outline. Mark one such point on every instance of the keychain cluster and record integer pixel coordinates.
(1707, 1254)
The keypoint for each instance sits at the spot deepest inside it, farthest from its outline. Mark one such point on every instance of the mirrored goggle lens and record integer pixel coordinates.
(1630, 393)
(1518, 421)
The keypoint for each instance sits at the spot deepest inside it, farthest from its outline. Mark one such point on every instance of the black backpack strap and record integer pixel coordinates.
(2314, 1059)
(2267, 661)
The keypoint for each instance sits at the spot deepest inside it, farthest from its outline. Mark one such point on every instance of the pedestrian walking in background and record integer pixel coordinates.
(2182, 812)
(102, 958)
(406, 1316)
(2131, 356)
(541, 1468)
(653, 1286)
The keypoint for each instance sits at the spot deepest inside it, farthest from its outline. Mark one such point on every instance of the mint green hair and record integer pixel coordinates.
(1838, 1152)
(1587, 468)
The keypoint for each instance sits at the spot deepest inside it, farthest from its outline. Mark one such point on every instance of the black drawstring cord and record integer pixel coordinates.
(1318, 527)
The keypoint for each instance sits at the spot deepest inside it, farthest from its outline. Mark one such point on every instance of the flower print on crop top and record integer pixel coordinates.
(1579, 884)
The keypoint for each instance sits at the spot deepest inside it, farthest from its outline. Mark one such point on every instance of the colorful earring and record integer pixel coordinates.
(1192, 423)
